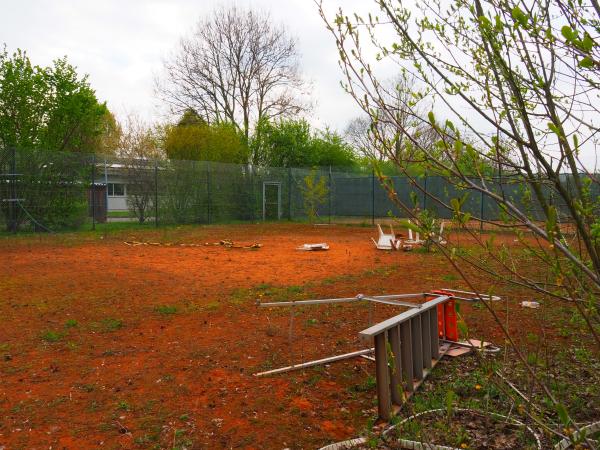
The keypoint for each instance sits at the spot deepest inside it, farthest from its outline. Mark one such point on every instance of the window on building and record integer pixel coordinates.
(116, 189)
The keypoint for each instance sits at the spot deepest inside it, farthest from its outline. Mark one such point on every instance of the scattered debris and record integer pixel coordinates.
(457, 351)
(463, 347)
(313, 247)
(532, 305)
(225, 243)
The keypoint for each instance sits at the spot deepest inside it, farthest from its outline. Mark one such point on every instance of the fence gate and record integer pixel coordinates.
(271, 200)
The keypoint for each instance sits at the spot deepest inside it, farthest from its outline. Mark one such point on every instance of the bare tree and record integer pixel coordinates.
(139, 149)
(237, 67)
(373, 134)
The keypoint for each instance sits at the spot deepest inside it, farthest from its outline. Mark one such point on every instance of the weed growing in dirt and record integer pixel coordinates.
(166, 310)
(52, 336)
(450, 277)
(110, 324)
(71, 323)
(211, 306)
(123, 406)
(368, 385)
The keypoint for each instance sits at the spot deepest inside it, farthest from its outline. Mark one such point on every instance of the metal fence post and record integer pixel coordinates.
(155, 193)
(290, 192)
(93, 191)
(208, 192)
(12, 206)
(329, 192)
(372, 196)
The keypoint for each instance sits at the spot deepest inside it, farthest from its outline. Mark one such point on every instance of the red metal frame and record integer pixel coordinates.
(447, 322)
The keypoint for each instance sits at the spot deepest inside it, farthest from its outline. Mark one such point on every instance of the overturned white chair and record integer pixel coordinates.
(387, 241)
(439, 238)
(436, 237)
(413, 240)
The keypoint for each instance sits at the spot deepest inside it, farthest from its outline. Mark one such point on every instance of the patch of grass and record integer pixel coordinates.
(110, 324)
(147, 439)
(52, 336)
(57, 401)
(449, 277)
(367, 386)
(166, 310)
(71, 323)
(295, 289)
(119, 214)
(123, 406)
(211, 306)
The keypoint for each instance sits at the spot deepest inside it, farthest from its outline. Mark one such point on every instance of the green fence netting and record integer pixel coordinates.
(42, 190)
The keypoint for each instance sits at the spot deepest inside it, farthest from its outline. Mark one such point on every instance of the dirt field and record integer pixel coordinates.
(108, 345)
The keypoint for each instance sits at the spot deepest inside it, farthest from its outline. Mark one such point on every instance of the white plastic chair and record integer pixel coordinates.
(417, 239)
(439, 238)
(386, 241)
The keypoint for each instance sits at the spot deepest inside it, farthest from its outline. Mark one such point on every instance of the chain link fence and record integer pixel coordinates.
(51, 191)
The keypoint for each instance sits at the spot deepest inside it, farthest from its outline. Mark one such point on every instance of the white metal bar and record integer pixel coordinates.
(359, 297)
(388, 301)
(308, 302)
(316, 362)
(475, 295)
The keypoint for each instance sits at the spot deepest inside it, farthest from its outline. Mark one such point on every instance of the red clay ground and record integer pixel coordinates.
(112, 346)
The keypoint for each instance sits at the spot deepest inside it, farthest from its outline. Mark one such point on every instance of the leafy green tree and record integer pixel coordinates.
(195, 140)
(285, 143)
(314, 194)
(329, 149)
(45, 111)
(292, 143)
(50, 108)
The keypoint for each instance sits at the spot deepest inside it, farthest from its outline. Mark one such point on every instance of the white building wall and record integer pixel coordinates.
(117, 203)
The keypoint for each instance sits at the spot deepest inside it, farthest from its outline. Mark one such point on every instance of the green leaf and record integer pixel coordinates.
(414, 198)
(519, 16)
(554, 128)
(431, 117)
(568, 33)
(458, 146)
(586, 63)
(587, 43)
(563, 415)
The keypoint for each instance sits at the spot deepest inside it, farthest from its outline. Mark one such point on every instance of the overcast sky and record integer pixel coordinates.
(121, 45)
